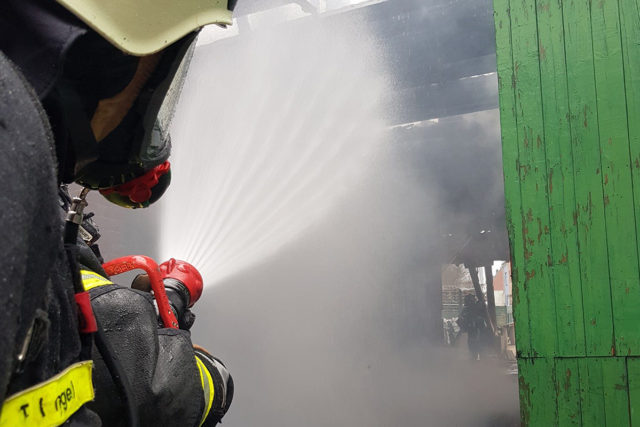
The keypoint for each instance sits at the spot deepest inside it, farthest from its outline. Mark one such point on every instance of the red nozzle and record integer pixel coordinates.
(132, 262)
(186, 274)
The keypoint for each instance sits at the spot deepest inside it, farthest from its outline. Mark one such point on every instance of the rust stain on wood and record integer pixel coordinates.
(567, 379)
(539, 229)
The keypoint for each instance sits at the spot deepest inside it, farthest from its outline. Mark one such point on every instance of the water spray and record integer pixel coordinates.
(272, 159)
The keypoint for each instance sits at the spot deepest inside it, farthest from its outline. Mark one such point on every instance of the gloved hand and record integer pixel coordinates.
(222, 386)
(177, 300)
(183, 285)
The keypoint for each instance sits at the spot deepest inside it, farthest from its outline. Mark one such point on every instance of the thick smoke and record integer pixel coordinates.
(333, 329)
(333, 326)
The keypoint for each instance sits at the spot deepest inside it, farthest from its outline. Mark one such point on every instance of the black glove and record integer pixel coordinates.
(178, 299)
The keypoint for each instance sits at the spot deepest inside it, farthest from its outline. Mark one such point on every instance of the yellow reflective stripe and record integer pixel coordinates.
(198, 362)
(207, 389)
(92, 280)
(51, 402)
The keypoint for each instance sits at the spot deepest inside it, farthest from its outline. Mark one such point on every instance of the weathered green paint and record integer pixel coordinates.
(615, 391)
(511, 172)
(589, 206)
(633, 371)
(536, 380)
(591, 392)
(569, 82)
(630, 34)
(584, 391)
(533, 179)
(564, 240)
(616, 175)
(568, 392)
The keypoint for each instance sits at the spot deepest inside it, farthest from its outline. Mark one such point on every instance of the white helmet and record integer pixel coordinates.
(142, 27)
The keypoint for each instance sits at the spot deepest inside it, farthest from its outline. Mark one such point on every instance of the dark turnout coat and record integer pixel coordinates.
(38, 319)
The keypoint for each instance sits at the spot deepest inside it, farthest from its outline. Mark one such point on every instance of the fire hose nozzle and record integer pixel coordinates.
(186, 275)
(132, 262)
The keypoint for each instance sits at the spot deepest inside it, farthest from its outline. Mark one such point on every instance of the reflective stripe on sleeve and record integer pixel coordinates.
(92, 280)
(207, 387)
(51, 402)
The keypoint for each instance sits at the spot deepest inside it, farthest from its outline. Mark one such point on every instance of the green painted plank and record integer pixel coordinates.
(603, 391)
(616, 175)
(616, 402)
(591, 392)
(633, 375)
(538, 405)
(511, 174)
(630, 29)
(524, 390)
(565, 262)
(568, 392)
(533, 179)
(589, 209)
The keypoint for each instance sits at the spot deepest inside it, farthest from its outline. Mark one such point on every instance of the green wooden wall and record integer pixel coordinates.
(569, 82)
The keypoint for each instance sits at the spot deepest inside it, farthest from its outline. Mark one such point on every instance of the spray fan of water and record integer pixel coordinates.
(271, 131)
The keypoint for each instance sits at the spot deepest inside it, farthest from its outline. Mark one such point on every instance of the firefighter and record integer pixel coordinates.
(473, 322)
(87, 91)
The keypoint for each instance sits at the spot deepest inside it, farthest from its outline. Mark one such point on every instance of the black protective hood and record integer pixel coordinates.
(35, 35)
(72, 68)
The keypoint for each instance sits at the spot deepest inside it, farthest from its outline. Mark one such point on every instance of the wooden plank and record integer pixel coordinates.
(511, 174)
(616, 402)
(591, 391)
(533, 179)
(616, 176)
(630, 34)
(589, 209)
(630, 27)
(603, 391)
(568, 392)
(538, 404)
(633, 375)
(524, 390)
(564, 241)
